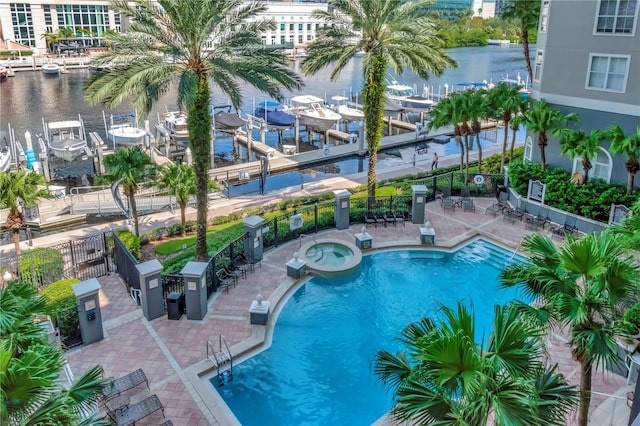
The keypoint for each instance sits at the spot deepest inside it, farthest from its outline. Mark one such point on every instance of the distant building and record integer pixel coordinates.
(26, 21)
(451, 8)
(588, 61)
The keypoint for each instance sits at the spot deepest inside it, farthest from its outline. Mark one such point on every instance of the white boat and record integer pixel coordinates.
(123, 129)
(406, 96)
(50, 68)
(66, 139)
(5, 159)
(3, 73)
(348, 113)
(176, 123)
(311, 112)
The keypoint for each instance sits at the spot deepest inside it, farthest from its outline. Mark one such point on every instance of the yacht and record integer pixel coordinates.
(123, 129)
(312, 112)
(348, 113)
(66, 139)
(406, 96)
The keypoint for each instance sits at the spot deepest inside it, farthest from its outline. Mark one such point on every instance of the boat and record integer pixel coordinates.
(311, 112)
(524, 90)
(66, 139)
(5, 159)
(3, 73)
(227, 122)
(269, 112)
(406, 96)
(176, 124)
(348, 113)
(123, 129)
(50, 68)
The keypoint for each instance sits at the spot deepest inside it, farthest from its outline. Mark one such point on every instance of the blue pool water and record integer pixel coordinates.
(319, 369)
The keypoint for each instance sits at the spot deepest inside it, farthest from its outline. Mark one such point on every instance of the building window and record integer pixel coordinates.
(608, 72)
(85, 18)
(544, 16)
(601, 166)
(616, 17)
(528, 150)
(300, 27)
(290, 27)
(537, 72)
(23, 31)
(282, 27)
(308, 27)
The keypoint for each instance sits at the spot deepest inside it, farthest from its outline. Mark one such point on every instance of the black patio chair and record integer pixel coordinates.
(389, 217)
(399, 217)
(115, 387)
(135, 412)
(539, 220)
(569, 227)
(225, 280)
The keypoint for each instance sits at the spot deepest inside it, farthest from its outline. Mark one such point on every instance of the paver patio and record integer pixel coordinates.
(166, 348)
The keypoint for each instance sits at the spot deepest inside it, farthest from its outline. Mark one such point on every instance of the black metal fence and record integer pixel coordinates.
(171, 283)
(125, 263)
(81, 258)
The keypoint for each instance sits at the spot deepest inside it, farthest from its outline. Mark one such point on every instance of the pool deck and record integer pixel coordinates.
(172, 352)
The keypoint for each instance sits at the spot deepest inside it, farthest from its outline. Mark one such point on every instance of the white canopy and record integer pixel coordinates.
(306, 99)
(55, 125)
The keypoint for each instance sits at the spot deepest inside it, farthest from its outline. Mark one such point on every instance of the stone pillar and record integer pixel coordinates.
(89, 310)
(419, 202)
(151, 288)
(253, 243)
(341, 212)
(195, 289)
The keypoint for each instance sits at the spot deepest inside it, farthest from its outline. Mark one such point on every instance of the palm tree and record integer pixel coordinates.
(180, 181)
(541, 118)
(476, 109)
(582, 285)
(209, 41)
(50, 38)
(20, 187)
(527, 12)
(579, 144)
(30, 368)
(629, 145)
(518, 119)
(130, 168)
(449, 112)
(392, 33)
(505, 101)
(446, 377)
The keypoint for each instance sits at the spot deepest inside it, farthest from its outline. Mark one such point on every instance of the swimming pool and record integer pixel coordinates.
(319, 369)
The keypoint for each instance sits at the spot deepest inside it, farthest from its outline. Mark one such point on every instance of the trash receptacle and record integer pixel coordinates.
(499, 190)
(175, 304)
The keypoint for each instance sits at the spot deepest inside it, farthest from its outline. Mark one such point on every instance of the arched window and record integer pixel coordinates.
(528, 150)
(601, 166)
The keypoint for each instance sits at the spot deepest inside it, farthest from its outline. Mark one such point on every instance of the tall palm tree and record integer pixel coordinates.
(519, 118)
(446, 377)
(50, 38)
(30, 368)
(541, 118)
(582, 285)
(504, 101)
(450, 112)
(209, 41)
(527, 12)
(20, 187)
(130, 168)
(629, 145)
(392, 33)
(577, 143)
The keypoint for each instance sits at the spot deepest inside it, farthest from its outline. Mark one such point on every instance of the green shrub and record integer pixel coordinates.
(131, 242)
(491, 164)
(41, 266)
(630, 324)
(60, 297)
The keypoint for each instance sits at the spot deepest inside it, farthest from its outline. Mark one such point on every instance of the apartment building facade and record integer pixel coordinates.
(25, 21)
(587, 61)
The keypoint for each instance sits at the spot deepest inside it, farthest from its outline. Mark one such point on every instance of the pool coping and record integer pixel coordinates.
(199, 374)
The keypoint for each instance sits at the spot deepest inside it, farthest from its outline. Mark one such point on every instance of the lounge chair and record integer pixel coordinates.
(235, 273)
(407, 216)
(399, 217)
(511, 214)
(568, 228)
(448, 203)
(500, 206)
(224, 280)
(389, 218)
(135, 412)
(239, 262)
(370, 219)
(116, 386)
(541, 219)
(467, 205)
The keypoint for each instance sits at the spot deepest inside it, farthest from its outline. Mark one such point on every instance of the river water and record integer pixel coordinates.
(31, 96)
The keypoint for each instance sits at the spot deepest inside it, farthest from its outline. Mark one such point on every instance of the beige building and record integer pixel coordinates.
(587, 60)
(25, 21)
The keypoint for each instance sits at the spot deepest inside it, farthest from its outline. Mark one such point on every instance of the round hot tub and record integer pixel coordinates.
(331, 258)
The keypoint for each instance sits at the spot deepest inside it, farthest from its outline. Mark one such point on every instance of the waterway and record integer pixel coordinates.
(30, 97)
